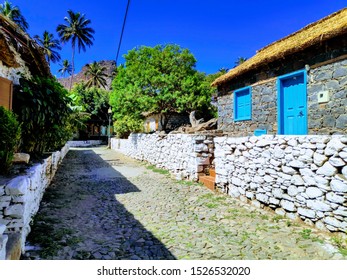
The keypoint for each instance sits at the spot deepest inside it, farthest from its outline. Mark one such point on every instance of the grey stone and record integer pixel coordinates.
(287, 205)
(313, 192)
(296, 164)
(15, 211)
(333, 222)
(337, 162)
(327, 169)
(344, 171)
(297, 180)
(333, 147)
(343, 155)
(340, 212)
(293, 190)
(319, 159)
(341, 121)
(288, 170)
(274, 201)
(335, 198)
(262, 198)
(338, 186)
(18, 186)
(340, 72)
(2, 229)
(318, 205)
(277, 192)
(307, 212)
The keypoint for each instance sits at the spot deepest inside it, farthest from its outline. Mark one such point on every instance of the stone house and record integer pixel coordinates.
(294, 86)
(153, 122)
(19, 55)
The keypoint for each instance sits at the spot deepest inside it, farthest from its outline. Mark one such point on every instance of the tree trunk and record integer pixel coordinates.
(72, 66)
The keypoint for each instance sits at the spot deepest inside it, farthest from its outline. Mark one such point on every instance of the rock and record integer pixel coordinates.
(307, 213)
(277, 192)
(293, 190)
(297, 180)
(327, 169)
(307, 172)
(280, 211)
(340, 212)
(263, 143)
(2, 229)
(18, 186)
(313, 192)
(337, 162)
(319, 159)
(288, 170)
(15, 211)
(309, 181)
(335, 198)
(333, 147)
(296, 164)
(274, 201)
(236, 181)
(344, 171)
(21, 158)
(287, 205)
(268, 179)
(262, 198)
(333, 222)
(318, 205)
(338, 186)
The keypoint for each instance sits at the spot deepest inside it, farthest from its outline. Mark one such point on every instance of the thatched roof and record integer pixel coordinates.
(30, 52)
(317, 32)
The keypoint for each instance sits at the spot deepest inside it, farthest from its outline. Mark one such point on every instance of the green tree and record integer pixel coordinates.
(65, 68)
(96, 75)
(162, 80)
(77, 31)
(240, 60)
(49, 45)
(13, 13)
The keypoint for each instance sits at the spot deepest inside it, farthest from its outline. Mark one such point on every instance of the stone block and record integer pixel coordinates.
(15, 211)
(337, 162)
(2, 229)
(318, 205)
(319, 159)
(327, 169)
(18, 186)
(333, 222)
(3, 243)
(333, 197)
(288, 205)
(333, 147)
(297, 180)
(21, 158)
(338, 186)
(262, 198)
(313, 192)
(297, 164)
(307, 213)
(288, 170)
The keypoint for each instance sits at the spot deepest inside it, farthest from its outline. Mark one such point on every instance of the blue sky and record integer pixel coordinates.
(216, 32)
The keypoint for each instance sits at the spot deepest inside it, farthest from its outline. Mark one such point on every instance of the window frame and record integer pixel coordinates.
(236, 109)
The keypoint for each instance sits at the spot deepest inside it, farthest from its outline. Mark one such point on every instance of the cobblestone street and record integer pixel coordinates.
(103, 205)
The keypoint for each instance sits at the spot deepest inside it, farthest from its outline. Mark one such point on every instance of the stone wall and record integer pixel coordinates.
(86, 143)
(325, 118)
(297, 176)
(20, 197)
(184, 155)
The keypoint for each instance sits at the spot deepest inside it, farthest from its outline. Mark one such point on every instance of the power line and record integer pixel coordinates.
(121, 35)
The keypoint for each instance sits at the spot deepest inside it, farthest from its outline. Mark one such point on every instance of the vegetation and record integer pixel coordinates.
(9, 138)
(49, 45)
(13, 13)
(77, 31)
(240, 60)
(161, 80)
(42, 107)
(96, 75)
(65, 68)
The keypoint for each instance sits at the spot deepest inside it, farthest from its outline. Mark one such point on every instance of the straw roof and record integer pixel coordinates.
(317, 32)
(31, 53)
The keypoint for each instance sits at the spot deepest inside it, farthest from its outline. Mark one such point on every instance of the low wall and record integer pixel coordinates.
(297, 176)
(20, 197)
(86, 143)
(185, 155)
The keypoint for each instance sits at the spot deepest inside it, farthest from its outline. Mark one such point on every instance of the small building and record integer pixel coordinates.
(294, 86)
(19, 55)
(153, 122)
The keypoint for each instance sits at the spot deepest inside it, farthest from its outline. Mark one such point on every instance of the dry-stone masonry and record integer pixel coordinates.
(20, 197)
(185, 155)
(86, 143)
(297, 176)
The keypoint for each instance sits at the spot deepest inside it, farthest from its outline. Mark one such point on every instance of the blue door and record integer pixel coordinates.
(292, 104)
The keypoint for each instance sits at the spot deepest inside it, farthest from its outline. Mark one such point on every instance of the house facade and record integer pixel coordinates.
(294, 86)
(19, 56)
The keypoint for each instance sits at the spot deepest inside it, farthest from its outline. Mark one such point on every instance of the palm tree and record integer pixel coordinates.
(76, 29)
(96, 75)
(223, 70)
(13, 13)
(240, 60)
(49, 45)
(65, 68)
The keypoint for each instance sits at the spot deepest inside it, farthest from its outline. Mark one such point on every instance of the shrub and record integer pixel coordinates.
(42, 107)
(124, 126)
(9, 138)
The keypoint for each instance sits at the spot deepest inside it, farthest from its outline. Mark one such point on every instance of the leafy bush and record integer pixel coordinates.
(124, 126)
(42, 107)
(9, 138)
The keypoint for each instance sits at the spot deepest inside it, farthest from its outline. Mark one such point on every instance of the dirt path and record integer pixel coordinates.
(103, 205)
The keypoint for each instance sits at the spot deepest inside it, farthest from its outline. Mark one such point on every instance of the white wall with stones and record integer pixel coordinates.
(20, 197)
(297, 176)
(185, 155)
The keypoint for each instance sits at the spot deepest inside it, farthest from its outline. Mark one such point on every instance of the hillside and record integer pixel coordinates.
(109, 64)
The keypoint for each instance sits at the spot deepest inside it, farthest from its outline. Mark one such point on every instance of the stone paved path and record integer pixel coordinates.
(103, 205)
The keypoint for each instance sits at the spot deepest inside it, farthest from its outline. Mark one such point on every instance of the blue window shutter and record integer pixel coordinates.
(242, 104)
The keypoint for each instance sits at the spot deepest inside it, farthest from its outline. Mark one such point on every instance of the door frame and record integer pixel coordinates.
(280, 115)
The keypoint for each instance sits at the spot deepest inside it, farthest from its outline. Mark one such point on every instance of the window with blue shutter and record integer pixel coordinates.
(243, 104)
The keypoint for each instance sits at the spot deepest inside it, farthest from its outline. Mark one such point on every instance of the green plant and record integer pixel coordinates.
(306, 233)
(9, 138)
(341, 244)
(42, 107)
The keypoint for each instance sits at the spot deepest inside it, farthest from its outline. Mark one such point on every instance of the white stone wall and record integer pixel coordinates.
(87, 143)
(20, 197)
(184, 155)
(297, 176)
